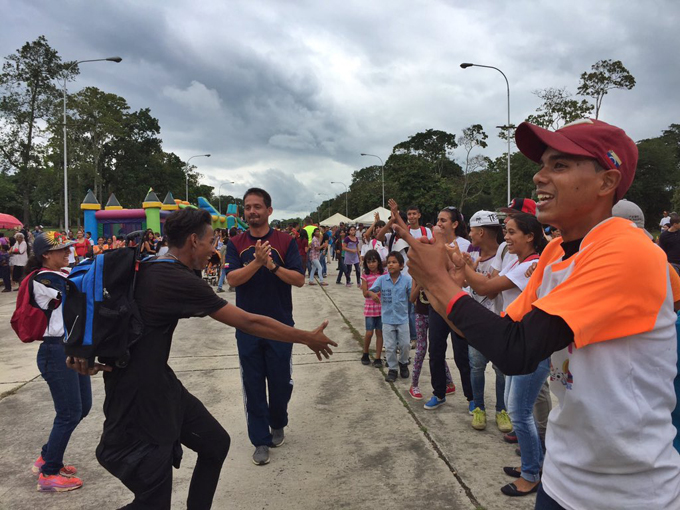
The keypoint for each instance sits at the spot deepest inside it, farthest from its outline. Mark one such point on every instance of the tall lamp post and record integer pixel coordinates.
(219, 195)
(109, 59)
(383, 174)
(329, 202)
(187, 170)
(346, 193)
(465, 65)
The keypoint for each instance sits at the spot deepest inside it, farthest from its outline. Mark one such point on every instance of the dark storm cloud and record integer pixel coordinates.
(302, 88)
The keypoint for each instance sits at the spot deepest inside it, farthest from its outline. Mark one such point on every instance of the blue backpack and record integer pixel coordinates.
(101, 318)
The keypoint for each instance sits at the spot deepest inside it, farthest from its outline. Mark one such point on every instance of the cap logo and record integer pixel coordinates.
(511, 205)
(614, 158)
(577, 122)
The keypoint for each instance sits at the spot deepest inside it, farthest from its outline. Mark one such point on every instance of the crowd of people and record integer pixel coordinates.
(567, 294)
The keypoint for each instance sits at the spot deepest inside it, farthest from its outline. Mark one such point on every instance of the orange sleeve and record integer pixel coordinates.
(616, 289)
(675, 283)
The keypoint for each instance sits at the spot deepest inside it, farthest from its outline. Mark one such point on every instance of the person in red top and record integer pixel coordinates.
(82, 246)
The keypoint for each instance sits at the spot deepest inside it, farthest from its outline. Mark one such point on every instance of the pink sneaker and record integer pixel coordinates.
(414, 391)
(66, 471)
(58, 483)
(450, 389)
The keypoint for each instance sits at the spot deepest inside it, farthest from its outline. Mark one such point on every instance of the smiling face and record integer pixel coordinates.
(573, 192)
(445, 223)
(413, 216)
(352, 231)
(519, 243)
(56, 259)
(476, 235)
(257, 213)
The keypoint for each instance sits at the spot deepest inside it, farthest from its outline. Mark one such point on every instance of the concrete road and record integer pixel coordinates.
(354, 441)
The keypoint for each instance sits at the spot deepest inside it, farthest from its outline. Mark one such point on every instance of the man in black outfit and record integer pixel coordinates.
(669, 240)
(149, 414)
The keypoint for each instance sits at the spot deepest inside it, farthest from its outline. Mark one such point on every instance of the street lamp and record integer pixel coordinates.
(465, 65)
(219, 195)
(329, 202)
(109, 59)
(383, 174)
(187, 170)
(346, 193)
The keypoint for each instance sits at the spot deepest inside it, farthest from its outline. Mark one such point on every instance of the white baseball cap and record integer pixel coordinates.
(484, 219)
(630, 211)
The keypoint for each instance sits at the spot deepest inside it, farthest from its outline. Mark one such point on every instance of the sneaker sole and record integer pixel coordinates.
(36, 471)
(479, 428)
(260, 463)
(431, 408)
(58, 489)
(413, 396)
(274, 445)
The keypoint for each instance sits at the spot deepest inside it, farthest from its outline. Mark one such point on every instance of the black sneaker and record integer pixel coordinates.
(403, 370)
(391, 376)
(365, 360)
(377, 363)
(220, 290)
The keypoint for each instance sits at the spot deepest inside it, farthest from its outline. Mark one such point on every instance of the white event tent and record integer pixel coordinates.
(367, 219)
(335, 220)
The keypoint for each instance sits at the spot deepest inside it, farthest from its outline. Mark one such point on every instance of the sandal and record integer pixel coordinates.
(511, 490)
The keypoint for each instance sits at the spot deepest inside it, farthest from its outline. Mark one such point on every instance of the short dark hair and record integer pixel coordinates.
(675, 219)
(181, 224)
(260, 193)
(396, 255)
(413, 208)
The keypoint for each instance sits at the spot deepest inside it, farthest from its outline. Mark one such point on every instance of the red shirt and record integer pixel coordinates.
(82, 247)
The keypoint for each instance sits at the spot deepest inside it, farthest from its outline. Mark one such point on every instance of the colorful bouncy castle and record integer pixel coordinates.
(114, 220)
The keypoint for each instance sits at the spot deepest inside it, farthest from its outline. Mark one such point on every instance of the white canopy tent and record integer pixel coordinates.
(367, 219)
(335, 220)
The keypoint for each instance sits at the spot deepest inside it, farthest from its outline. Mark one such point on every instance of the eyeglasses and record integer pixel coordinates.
(450, 208)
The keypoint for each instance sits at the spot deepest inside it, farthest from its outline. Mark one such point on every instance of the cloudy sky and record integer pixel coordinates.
(286, 94)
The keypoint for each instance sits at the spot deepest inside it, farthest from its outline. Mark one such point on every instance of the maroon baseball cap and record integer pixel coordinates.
(525, 205)
(591, 138)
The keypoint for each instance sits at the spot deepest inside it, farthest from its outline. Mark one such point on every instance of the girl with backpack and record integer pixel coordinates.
(71, 392)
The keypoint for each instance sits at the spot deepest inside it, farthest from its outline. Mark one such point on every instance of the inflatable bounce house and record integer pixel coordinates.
(116, 221)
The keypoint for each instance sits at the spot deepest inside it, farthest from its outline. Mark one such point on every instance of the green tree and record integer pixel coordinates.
(558, 109)
(605, 75)
(29, 95)
(433, 145)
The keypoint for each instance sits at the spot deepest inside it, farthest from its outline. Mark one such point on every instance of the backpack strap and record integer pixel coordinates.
(423, 231)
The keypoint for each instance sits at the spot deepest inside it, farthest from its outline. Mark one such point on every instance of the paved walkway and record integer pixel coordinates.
(354, 441)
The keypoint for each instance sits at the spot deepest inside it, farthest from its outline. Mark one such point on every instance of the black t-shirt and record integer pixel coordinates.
(145, 399)
(670, 243)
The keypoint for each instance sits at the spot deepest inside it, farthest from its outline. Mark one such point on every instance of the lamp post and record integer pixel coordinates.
(187, 170)
(329, 202)
(383, 174)
(346, 193)
(109, 59)
(465, 65)
(219, 195)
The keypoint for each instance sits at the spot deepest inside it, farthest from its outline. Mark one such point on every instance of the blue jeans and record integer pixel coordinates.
(396, 336)
(72, 397)
(223, 274)
(521, 392)
(324, 269)
(478, 364)
(316, 267)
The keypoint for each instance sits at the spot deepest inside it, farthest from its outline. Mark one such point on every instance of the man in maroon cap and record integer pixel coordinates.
(599, 304)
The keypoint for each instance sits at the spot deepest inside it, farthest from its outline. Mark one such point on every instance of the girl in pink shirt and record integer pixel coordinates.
(373, 268)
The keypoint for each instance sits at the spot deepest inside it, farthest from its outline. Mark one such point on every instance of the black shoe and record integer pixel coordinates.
(511, 490)
(377, 363)
(365, 360)
(220, 290)
(511, 471)
(7, 290)
(391, 376)
(403, 370)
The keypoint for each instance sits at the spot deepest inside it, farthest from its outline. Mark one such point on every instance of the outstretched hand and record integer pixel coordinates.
(319, 342)
(433, 266)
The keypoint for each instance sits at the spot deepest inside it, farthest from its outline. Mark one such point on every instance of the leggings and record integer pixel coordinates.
(348, 272)
(422, 323)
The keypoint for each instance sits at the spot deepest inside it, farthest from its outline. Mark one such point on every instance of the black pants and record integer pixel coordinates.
(6, 279)
(341, 270)
(545, 502)
(348, 272)
(146, 469)
(439, 334)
